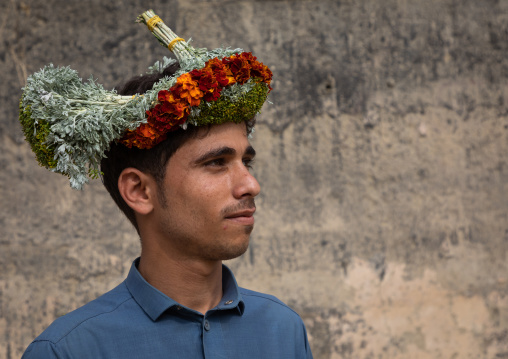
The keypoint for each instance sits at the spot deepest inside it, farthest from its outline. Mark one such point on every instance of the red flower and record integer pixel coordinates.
(262, 72)
(165, 95)
(207, 83)
(167, 116)
(247, 56)
(239, 67)
(222, 73)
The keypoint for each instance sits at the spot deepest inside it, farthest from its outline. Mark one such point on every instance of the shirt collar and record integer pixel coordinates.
(154, 302)
(231, 297)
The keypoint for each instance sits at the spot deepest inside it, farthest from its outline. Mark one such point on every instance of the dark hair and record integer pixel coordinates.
(152, 161)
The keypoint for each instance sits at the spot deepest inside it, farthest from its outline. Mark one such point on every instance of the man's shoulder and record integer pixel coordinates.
(267, 303)
(279, 327)
(106, 304)
(261, 296)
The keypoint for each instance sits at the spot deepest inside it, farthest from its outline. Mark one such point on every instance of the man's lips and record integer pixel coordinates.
(245, 217)
(240, 213)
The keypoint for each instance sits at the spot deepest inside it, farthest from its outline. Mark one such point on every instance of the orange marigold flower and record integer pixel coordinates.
(144, 137)
(147, 131)
(188, 89)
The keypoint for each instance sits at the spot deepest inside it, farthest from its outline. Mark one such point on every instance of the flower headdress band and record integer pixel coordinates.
(70, 124)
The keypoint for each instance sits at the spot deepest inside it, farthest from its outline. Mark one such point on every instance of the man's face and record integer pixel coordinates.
(209, 195)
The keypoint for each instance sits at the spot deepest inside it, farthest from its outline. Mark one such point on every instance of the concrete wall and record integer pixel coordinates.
(383, 218)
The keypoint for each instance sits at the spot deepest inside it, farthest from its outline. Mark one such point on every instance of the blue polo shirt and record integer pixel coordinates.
(135, 320)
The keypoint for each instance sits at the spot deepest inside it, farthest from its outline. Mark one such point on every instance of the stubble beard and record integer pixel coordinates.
(221, 250)
(216, 249)
(236, 251)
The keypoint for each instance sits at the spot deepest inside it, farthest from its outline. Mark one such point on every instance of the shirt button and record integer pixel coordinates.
(207, 325)
(228, 302)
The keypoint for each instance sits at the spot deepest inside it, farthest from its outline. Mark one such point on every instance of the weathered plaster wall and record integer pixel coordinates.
(383, 163)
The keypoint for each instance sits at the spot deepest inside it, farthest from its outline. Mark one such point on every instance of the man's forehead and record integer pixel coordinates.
(228, 135)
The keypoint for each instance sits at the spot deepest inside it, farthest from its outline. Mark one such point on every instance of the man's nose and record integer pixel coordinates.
(246, 184)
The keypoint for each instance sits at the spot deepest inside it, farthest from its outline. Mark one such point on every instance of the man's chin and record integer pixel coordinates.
(235, 254)
(233, 251)
(248, 229)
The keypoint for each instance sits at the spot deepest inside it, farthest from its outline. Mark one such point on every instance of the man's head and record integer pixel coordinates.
(154, 162)
(205, 204)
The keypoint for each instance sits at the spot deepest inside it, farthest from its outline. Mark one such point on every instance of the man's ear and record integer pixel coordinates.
(137, 190)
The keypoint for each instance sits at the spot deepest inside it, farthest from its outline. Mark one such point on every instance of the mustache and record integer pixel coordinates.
(246, 203)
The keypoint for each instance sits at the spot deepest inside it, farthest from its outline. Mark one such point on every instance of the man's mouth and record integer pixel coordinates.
(245, 217)
(241, 213)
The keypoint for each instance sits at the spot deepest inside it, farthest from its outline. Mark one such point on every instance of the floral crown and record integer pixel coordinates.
(70, 124)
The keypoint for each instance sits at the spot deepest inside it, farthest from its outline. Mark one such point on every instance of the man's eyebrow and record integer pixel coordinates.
(224, 151)
(250, 151)
(216, 152)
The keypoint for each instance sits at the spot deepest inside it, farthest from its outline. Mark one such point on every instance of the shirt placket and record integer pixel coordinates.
(212, 336)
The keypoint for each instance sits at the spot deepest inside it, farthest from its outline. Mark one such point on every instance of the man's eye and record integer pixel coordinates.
(248, 162)
(216, 162)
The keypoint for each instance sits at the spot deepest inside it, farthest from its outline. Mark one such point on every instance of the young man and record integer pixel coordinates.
(191, 199)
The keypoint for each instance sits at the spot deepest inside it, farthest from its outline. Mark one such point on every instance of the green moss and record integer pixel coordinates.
(35, 135)
(224, 110)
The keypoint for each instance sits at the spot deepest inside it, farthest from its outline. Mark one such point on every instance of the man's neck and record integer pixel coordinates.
(194, 284)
